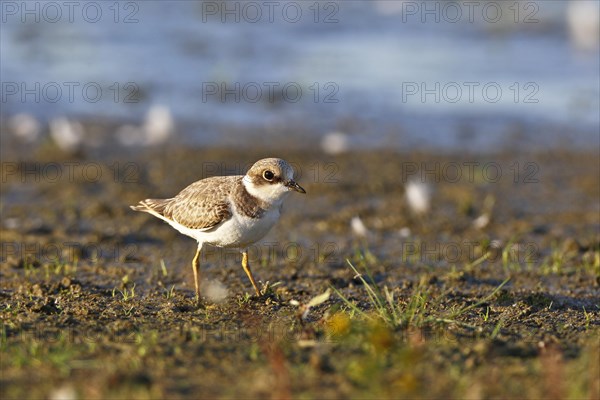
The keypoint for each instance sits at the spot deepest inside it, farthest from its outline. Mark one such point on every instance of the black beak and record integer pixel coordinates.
(294, 186)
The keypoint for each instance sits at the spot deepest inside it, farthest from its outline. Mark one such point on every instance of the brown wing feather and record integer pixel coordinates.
(203, 204)
(152, 205)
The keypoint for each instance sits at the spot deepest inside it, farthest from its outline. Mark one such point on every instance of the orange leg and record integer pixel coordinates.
(196, 268)
(246, 267)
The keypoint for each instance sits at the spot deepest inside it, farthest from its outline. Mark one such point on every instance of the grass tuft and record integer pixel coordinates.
(421, 309)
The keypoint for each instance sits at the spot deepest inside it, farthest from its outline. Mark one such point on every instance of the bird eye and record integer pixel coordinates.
(268, 175)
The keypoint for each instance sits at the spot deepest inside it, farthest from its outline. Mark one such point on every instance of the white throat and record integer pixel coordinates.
(273, 195)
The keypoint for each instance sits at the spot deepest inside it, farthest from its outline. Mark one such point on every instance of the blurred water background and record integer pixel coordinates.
(440, 74)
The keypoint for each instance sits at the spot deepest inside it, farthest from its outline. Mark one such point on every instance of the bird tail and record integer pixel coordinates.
(152, 206)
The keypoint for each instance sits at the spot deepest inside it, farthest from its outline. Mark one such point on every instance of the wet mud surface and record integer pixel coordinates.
(493, 291)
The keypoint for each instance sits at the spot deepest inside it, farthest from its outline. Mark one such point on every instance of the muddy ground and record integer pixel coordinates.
(97, 300)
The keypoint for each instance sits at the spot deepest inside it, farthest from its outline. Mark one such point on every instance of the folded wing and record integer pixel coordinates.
(202, 205)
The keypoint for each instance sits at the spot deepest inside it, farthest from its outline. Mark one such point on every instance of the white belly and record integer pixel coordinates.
(238, 231)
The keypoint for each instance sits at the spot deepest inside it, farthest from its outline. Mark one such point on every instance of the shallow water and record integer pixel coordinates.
(372, 69)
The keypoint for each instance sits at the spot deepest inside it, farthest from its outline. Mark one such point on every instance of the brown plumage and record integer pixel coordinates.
(228, 211)
(204, 204)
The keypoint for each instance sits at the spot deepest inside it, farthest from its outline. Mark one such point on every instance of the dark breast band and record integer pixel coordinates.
(247, 204)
